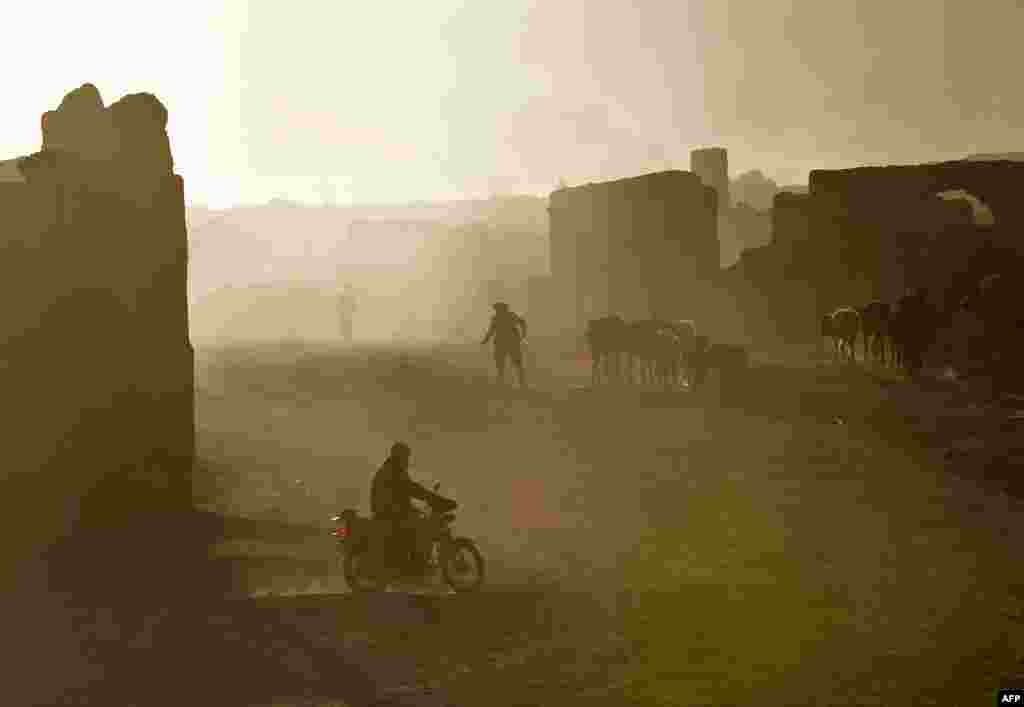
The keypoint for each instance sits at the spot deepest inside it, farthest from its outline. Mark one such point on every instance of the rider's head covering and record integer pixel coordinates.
(401, 450)
(500, 307)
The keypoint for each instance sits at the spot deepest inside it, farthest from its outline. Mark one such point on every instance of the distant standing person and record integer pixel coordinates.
(346, 309)
(508, 330)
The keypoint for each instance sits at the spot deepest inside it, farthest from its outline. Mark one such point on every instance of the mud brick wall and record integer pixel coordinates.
(97, 367)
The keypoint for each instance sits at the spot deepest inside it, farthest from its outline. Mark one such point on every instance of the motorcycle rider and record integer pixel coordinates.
(391, 495)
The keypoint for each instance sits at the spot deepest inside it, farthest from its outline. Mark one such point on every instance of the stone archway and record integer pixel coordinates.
(981, 212)
(858, 213)
(996, 183)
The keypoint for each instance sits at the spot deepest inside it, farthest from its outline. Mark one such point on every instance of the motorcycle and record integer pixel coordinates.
(370, 562)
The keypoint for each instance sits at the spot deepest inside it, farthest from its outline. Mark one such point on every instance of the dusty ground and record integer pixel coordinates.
(804, 541)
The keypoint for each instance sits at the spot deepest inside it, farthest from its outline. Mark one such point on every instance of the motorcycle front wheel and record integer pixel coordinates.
(462, 565)
(360, 575)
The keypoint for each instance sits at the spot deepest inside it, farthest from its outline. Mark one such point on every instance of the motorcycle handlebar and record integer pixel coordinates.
(442, 505)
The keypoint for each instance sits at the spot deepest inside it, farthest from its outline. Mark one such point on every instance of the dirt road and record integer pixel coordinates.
(796, 545)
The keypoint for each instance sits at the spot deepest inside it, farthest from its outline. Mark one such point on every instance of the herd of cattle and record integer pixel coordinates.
(655, 352)
(894, 335)
(904, 333)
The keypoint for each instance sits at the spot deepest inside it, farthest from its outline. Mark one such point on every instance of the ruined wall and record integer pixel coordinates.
(542, 318)
(562, 245)
(579, 249)
(866, 196)
(633, 226)
(711, 164)
(791, 219)
(97, 375)
(97, 398)
(776, 287)
(754, 189)
(872, 232)
(637, 247)
(857, 210)
(741, 227)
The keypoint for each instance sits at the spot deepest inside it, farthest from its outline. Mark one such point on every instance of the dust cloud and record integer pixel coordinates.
(407, 274)
(781, 551)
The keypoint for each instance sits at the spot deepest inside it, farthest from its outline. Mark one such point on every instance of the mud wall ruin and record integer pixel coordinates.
(711, 164)
(872, 232)
(854, 209)
(98, 368)
(791, 220)
(638, 247)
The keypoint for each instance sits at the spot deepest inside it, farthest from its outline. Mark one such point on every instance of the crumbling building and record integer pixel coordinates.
(97, 374)
(637, 247)
(873, 232)
(711, 164)
(868, 215)
(95, 260)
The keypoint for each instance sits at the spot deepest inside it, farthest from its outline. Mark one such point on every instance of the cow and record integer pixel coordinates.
(874, 322)
(686, 333)
(843, 326)
(644, 347)
(730, 360)
(667, 347)
(913, 327)
(607, 341)
(698, 361)
(659, 349)
(996, 301)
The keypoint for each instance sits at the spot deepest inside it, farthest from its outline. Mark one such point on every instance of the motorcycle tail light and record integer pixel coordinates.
(340, 532)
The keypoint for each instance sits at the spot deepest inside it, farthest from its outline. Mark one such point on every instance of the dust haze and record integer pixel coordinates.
(408, 273)
(758, 438)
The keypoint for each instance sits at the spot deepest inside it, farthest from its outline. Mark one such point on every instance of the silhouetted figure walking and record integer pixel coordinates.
(508, 330)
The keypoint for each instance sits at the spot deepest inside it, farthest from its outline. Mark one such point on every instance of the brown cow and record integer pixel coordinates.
(607, 340)
(913, 328)
(997, 302)
(843, 326)
(686, 333)
(874, 323)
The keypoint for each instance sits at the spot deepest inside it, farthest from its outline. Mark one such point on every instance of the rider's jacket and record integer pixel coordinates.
(392, 491)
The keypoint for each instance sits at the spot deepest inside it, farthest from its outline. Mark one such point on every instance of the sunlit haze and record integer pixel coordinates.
(699, 321)
(397, 101)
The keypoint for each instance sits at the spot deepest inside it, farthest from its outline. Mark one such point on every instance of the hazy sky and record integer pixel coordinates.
(428, 99)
